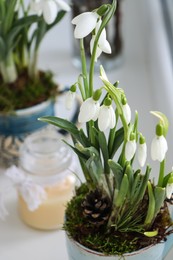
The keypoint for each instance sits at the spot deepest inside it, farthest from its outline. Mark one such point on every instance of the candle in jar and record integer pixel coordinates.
(50, 214)
(48, 163)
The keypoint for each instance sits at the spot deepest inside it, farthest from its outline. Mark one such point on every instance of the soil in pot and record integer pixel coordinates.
(26, 92)
(111, 242)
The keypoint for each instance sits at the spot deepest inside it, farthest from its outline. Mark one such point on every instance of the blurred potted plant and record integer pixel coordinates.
(118, 211)
(25, 91)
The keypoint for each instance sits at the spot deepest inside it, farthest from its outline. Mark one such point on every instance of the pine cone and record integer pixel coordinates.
(96, 207)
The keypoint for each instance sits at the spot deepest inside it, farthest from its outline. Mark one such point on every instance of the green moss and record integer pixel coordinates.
(25, 91)
(109, 241)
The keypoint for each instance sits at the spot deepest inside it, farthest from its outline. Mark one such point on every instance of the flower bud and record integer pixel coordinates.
(159, 130)
(97, 94)
(102, 9)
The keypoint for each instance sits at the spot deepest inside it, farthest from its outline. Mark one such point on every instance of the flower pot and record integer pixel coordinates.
(15, 126)
(159, 251)
(76, 251)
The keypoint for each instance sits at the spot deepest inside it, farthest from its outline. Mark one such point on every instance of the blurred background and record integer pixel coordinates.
(145, 73)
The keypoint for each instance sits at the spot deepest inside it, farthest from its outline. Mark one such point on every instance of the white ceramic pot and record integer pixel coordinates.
(78, 252)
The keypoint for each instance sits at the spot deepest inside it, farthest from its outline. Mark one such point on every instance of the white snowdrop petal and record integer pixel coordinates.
(98, 53)
(98, 50)
(87, 111)
(92, 43)
(50, 11)
(163, 143)
(169, 190)
(105, 47)
(85, 23)
(127, 112)
(97, 107)
(130, 150)
(112, 117)
(103, 118)
(159, 148)
(142, 154)
(63, 5)
(103, 43)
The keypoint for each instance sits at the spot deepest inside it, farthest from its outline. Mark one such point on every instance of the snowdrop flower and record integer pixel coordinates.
(126, 110)
(106, 118)
(103, 44)
(169, 187)
(49, 8)
(142, 151)
(89, 110)
(70, 97)
(159, 145)
(85, 23)
(130, 147)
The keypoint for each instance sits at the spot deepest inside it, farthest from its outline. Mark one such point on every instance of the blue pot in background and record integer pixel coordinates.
(25, 121)
(14, 127)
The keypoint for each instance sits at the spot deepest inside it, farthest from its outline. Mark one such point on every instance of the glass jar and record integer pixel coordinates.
(113, 30)
(48, 163)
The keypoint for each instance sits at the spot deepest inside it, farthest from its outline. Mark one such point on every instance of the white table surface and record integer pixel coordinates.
(147, 78)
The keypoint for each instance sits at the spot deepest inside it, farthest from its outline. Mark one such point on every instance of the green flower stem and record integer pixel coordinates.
(8, 69)
(111, 138)
(105, 21)
(161, 173)
(85, 81)
(33, 66)
(84, 68)
(116, 96)
(81, 88)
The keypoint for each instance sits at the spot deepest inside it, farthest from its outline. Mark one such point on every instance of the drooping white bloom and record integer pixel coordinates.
(49, 8)
(159, 148)
(127, 112)
(85, 23)
(130, 149)
(69, 99)
(89, 110)
(169, 190)
(103, 44)
(142, 154)
(106, 118)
